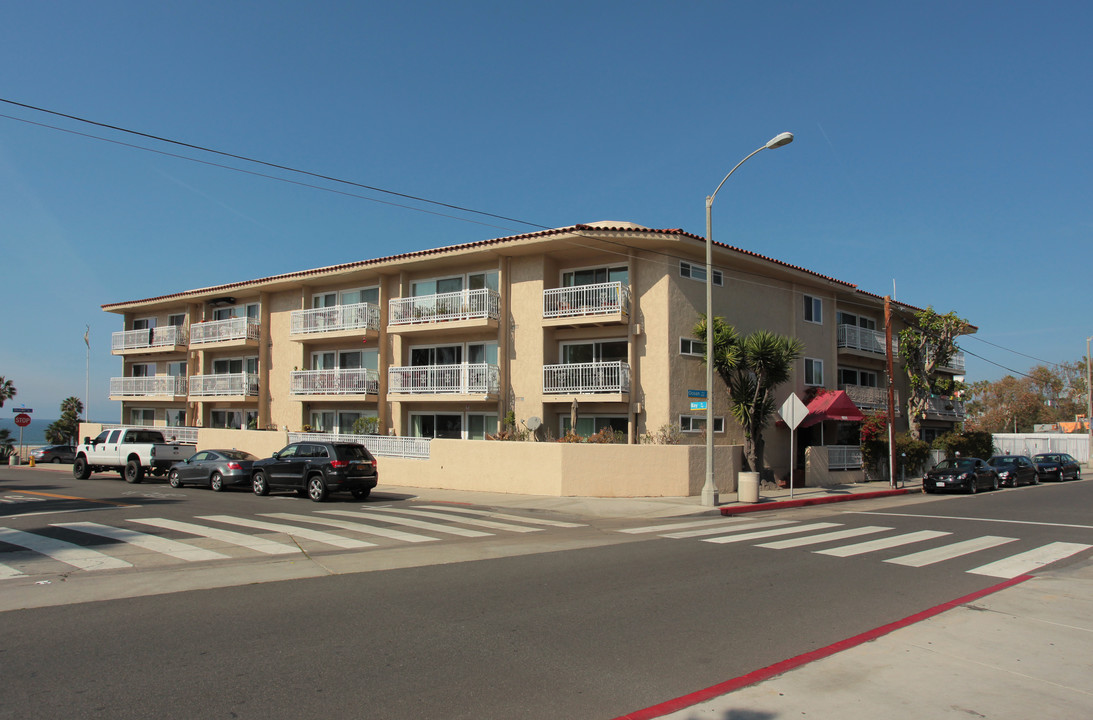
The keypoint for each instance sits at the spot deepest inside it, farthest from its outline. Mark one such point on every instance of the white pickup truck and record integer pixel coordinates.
(130, 451)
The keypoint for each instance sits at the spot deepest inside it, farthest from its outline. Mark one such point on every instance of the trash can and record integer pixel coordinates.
(747, 487)
(13, 460)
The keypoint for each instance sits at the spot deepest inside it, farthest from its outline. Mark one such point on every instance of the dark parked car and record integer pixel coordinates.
(55, 453)
(1014, 470)
(317, 469)
(967, 474)
(217, 469)
(1057, 466)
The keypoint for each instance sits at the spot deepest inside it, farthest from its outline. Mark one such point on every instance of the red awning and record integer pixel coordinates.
(832, 406)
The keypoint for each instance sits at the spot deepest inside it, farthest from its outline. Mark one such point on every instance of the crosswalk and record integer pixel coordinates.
(794, 535)
(90, 546)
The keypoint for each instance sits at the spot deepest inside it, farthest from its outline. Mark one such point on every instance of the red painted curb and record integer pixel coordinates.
(782, 504)
(785, 666)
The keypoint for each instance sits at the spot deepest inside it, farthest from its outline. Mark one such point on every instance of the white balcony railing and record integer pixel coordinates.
(853, 337)
(446, 307)
(358, 316)
(160, 337)
(378, 445)
(575, 378)
(224, 384)
(599, 299)
(462, 379)
(168, 385)
(356, 381)
(238, 328)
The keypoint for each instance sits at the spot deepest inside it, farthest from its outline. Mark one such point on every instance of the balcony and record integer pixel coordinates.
(355, 381)
(171, 338)
(451, 381)
(224, 385)
(167, 387)
(861, 340)
(595, 378)
(868, 399)
(599, 304)
(345, 319)
(233, 331)
(455, 311)
(945, 408)
(954, 366)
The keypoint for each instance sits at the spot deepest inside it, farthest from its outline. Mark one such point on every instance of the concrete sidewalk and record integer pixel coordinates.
(1022, 652)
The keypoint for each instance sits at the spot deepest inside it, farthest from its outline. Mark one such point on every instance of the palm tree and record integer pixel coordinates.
(7, 390)
(7, 446)
(751, 367)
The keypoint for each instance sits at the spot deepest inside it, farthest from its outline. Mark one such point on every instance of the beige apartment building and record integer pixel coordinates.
(593, 320)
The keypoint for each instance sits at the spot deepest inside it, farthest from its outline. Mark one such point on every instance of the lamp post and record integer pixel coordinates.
(709, 490)
(1089, 399)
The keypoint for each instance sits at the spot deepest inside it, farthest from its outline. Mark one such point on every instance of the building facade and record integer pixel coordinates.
(592, 323)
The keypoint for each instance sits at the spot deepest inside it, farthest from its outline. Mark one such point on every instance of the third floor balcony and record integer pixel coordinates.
(347, 381)
(169, 387)
(861, 340)
(336, 320)
(452, 381)
(171, 338)
(598, 304)
(454, 311)
(236, 331)
(224, 385)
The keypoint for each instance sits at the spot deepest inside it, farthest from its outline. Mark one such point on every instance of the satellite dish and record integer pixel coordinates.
(533, 423)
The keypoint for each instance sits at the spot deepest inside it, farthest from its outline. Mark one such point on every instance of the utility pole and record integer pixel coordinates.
(891, 391)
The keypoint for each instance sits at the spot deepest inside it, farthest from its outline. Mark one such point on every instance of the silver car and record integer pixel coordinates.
(216, 469)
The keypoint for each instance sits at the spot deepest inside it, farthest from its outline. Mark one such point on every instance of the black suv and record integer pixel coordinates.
(317, 469)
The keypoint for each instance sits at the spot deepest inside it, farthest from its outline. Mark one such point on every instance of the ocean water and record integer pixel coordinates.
(33, 434)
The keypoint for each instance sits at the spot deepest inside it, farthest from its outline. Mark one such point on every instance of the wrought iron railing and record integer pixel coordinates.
(160, 337)
(867, 398)
(224, 384)
(858, 338)
(575, 378)
(379, 445)
(844, 457)
(169, 385)
(358, 316)
(446, 307)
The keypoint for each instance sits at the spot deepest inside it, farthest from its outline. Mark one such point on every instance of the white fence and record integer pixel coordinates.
(168, 336)
(166, 385)
(1033, 443)
(351, 381)
(378, 445)
(225, 384)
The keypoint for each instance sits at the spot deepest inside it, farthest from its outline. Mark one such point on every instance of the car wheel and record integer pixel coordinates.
(134, 473)
(316, 488)
(995, 486)
(56, 460)
(1061, 476)
(217, 482)
(173, 478)
(1078, 474)
(362, 493)
(259, 484)
(80, 469)
(1036, 479)
(973, 485)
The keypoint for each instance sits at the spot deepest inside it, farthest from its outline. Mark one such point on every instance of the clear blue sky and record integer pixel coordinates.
(941, 148)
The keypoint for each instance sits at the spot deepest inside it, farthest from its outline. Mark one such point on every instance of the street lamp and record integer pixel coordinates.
(1089, 400)
(709, 490)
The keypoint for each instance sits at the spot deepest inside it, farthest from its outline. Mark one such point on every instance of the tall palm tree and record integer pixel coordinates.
(752, 367)
(7, 390)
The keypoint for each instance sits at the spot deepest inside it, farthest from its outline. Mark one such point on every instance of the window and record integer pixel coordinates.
(595, 276)
(437, 286)
(814, 371)
(478, 425)
(590, 425)
(249, 310)
(176, 417)
(234, 366)
(143, 369)
(234, 419)
(687, 346)
(322, 421)
(177, 369)
(436, 426)
(142, 416)
(845, 318)
(346, 297)
(483, 281)
(697, 424)
(595, 351)
(176, 320)
(814, 309)
(438, 355)
(144, 323)
(698, 272)
(854, 376)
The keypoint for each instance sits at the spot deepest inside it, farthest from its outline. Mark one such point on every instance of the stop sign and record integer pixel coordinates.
(22, 419)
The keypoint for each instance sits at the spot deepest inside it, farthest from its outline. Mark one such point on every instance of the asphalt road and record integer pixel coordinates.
(584, 622)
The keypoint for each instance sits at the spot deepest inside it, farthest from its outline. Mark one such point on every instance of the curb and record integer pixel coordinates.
(783, 504)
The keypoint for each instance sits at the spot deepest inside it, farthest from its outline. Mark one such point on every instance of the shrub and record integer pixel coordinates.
(971, 443)
(668, 434)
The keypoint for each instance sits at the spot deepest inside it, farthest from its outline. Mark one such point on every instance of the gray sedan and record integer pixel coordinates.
(217, 469)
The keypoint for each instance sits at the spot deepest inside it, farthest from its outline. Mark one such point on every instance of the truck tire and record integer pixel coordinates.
(80, 469)
(134, 472)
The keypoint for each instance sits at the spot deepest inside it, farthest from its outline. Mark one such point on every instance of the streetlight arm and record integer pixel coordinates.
(710, 199)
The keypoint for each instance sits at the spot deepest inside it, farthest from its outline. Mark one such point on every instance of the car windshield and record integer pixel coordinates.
(953, 464)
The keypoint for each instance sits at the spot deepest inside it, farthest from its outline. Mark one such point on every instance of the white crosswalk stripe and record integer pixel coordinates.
(824, 537)
(230, 537)
(407, 522)
(292, 531)
(948, 552)
(716, 522)
(9, 572)
(175, 549)
(66, 552)
(1026, 562)
(793, 529)
(882, 544)
(720, 529)
(465, 520)
(377, 530)
(503, 516)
